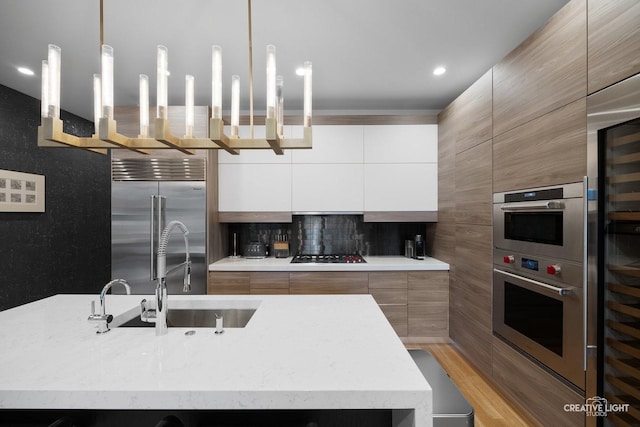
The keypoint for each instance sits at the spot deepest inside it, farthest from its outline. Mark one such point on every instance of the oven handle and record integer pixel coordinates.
(523, 206)
(560, 291)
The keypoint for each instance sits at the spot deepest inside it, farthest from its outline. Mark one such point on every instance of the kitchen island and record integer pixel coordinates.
(298, 352)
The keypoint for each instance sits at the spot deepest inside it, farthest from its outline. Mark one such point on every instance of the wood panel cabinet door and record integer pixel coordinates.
(228, 283)
(470, 295)
(474, 185)
(396, 314)
(428, 303)
(389, 289)
(539, 392)
(545, 72)
(613, 42)
(444, 236)
(332, 282)
(549, 150)
(474, 114)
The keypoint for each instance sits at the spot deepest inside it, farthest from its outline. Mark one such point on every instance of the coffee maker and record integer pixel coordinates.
(414, 248)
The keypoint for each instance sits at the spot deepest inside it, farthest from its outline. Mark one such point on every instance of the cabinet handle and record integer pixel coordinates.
(523, 206)
(559, 291)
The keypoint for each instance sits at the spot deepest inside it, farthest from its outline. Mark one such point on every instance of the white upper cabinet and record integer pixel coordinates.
(254, 180)
(353, 168)
(401, 144)
(329, 177)
(333, 144)
(254, 156)
(406, 187)
(254, 187)
(401, 168)
(327, 188)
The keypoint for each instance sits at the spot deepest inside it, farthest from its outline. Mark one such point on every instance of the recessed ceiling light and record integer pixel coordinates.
(300, 71)
(26, 71)
(438, 71)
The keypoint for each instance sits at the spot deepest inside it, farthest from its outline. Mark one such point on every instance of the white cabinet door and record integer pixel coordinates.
(254, 187)
(401, 144)
(254, 156)
(401, 187)
(333, 144)
(401, 168)
(327, 188)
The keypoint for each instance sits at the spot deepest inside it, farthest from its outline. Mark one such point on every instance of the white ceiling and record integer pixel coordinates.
(369, 56)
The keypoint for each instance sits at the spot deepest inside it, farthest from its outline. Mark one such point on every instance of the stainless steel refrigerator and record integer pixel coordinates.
(613, 306)
(140, 209)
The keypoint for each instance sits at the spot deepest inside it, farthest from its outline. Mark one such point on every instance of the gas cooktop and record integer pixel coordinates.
(327, 259)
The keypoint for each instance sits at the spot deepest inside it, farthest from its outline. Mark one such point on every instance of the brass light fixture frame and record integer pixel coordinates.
(51, 134)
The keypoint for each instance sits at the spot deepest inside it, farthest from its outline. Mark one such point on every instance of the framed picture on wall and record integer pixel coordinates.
(21, 192)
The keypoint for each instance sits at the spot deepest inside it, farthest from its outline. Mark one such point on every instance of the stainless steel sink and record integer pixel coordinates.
(199, 318)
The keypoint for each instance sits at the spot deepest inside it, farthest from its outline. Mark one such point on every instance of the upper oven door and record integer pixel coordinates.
(553, 228)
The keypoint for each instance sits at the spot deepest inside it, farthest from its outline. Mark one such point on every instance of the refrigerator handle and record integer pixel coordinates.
(152, 236)
(585, 267)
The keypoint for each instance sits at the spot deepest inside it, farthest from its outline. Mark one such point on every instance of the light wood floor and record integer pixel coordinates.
(490, 408)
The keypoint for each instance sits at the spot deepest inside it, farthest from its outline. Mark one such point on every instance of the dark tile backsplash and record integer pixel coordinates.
(331, 234)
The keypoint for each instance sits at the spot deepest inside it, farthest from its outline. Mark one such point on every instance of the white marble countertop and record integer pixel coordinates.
(374, 263)
(296, 352)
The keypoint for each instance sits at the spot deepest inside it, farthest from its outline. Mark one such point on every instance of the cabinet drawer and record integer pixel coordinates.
(269, 283)
(388, 279)
(329, 283)
(269, 280)
(228, 283)
(389, 296)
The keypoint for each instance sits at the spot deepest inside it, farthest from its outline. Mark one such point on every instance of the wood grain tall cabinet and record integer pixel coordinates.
(465, 149)
(521, 125)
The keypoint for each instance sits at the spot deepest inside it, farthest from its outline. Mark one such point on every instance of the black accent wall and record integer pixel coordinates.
(66, 249)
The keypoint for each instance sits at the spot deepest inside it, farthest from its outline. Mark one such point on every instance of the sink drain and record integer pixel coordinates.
(189, 333)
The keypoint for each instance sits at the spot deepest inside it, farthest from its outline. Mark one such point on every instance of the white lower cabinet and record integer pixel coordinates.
(327, 188)
(254, 187)
(407, 187)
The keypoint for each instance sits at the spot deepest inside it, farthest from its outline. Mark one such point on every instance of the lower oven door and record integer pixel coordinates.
(544, 320)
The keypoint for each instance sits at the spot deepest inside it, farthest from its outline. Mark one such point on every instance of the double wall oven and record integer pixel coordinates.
(538, 276)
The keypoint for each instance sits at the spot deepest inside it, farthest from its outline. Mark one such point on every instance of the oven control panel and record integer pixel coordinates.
(530, 264)
(540, 267)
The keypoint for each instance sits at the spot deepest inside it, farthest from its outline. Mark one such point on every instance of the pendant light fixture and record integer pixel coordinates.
(106, 136)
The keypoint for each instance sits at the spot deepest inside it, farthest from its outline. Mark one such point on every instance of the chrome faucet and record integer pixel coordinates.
(104, 319)
(159, 315)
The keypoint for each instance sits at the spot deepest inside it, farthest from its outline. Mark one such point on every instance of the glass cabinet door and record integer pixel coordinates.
(620, 204)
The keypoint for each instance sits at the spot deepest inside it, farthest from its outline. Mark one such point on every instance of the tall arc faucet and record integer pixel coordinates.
(161, 286)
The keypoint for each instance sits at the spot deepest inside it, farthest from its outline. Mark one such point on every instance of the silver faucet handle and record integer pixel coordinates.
(102, 320)
(219, 321)
(147, 314)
